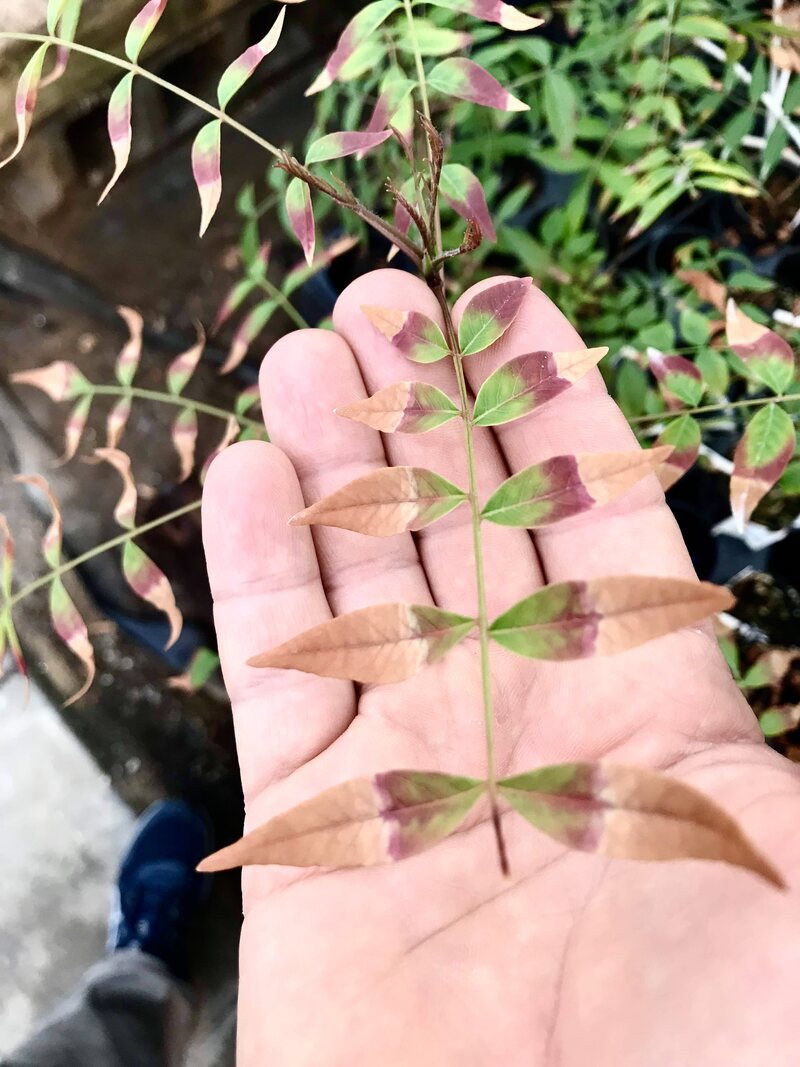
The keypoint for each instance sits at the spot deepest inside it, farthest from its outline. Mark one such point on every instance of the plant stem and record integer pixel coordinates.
(177, 401)
(134, 68)
(98, 550)
(413, 40)
(480, 579)
(283, 302)
(758, 401)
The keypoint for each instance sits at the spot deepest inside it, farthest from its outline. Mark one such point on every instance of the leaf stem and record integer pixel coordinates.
(283, 302)
(134, 68)
(98, 550)
(177, 401)
(758, 401)
(480, 579)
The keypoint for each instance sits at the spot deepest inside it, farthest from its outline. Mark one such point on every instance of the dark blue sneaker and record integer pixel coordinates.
(158, 889)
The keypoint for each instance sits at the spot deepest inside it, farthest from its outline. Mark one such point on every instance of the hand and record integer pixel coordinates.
(438, 960)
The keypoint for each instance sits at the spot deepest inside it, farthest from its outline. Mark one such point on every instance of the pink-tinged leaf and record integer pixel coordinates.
(768, 358)
(339, 145)
(60, 380)
(489, 315)
(248, 331)
(125, 511)
(232, 430)
(7, 631)
(243, 68)
(466, 80)
(131, 354)
(51, 542)
(407, 407)
(505, 15)
(385, 502)
(120, 130)
(301, 216)
(413, 334)
(465, 195)
(779, 720)
(142, 26)
(203, 666)
(183, 366)
(604, 616)
(71, 628)
(65, 25)
(184, 437)
(55, 10)
(358, 30)
(151, 584)
(232, 302)
(563, 486)
(301, 273)
(206, 168)
(383, 643)
(761, 457)
(526, 382)
(633, 814)
(75, 425)
(25, 101)
(117, 421)
(7, 558)
(360, 823)
(683, 437)
(395, 91)
(679, 380)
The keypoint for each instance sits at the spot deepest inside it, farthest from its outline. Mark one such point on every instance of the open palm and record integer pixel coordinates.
(574, 960)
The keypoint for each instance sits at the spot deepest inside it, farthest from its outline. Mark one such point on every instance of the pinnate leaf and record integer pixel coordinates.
(152, 585)
(142, 26)
(128, 359)
(70, 627)
(25, 100)
(117, 421)
(301, 216)
(683, 436)
(760, 459)
(413, 334)
(360, 823)
(604, 616)
(357, 31)
(505, 15)
(768, 358)
(207, 170)
(563, 486)
(183, 366)
(339, 145)
(465, 195)
(467, 80)
(629, 813)
(526, 382)
(60, 380)
(120, 130)
(383, 643)
(490, 313)
(680, 381)
(406, 407)
(125, 510)
(243, 68)
(384, 502)
(184, 437)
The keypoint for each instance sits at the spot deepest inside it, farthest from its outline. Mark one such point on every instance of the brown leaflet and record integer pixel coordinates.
(125, 511)
(385, 502)
(184, 438)
(360, 823)
(628, 813)
(380, 644)
(706, 287)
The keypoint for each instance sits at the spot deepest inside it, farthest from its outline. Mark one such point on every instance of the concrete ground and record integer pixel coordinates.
(62, 831)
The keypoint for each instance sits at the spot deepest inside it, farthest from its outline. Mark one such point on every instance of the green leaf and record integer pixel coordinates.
(692, 71)
(715, 371)
(560, 108)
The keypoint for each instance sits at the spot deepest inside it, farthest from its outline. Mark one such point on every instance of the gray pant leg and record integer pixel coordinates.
(129, 1013)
